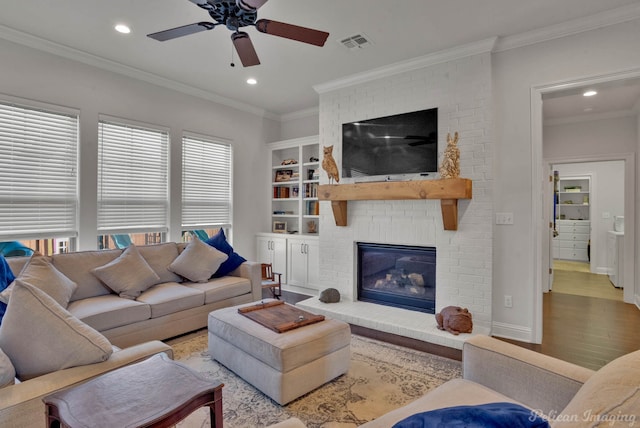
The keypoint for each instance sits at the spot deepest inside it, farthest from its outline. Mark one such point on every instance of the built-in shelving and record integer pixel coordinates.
(294, 185)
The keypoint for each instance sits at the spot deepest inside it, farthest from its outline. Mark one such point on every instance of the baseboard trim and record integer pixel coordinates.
(512, 331)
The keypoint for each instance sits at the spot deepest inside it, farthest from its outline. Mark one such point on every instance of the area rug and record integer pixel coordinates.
(381, 377)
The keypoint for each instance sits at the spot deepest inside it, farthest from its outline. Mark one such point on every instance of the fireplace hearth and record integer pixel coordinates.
(397, 275)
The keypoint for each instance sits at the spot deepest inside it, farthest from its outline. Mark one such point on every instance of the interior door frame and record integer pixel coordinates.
(539, 170)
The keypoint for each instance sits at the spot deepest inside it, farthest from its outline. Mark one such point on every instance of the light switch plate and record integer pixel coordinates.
(504, 218)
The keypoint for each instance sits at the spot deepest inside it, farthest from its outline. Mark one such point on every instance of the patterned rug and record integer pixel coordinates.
(381, 377)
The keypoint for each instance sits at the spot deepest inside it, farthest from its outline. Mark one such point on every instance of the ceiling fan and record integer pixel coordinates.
(235, 14)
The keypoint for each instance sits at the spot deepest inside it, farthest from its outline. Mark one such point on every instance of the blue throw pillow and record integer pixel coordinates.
(219, 242)
(6, 278)
(492, 415)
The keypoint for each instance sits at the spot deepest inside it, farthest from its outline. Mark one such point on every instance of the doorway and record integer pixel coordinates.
(588, 153)
(588, 198)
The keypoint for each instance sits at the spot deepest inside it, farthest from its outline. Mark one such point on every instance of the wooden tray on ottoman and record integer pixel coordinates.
(279, 316)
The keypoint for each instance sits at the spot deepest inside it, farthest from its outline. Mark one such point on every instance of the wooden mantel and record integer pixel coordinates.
(447, 190)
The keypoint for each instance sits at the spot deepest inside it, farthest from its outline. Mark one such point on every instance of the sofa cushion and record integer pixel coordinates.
(456, 392)
(128, 275)
(42, 274)
(110, 311)
(479, 416)
(6, 278)
(219, 242)
(159, 257)
(7, 371)
(40, 336)
(77, 266)
(611, 394)
(218, 289)
(198, 261)
(171, 297)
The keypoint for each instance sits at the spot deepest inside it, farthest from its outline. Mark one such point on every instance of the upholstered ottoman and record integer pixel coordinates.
(286, 365)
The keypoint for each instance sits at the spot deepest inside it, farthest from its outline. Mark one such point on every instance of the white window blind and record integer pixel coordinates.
(206, 183)
(38, 173)
(132, 178)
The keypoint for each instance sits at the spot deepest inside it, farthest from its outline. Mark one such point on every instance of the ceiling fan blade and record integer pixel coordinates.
(185, 30)
(250, 4)
(245, 49)
(293, 32)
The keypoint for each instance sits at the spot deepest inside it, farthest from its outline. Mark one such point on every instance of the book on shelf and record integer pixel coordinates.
(313, 208)
(311, 190)
(280, 192)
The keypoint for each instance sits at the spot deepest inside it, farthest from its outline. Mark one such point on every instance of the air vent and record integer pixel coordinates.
(358, 41)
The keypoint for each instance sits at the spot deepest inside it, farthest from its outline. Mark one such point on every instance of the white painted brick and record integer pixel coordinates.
(461, 90)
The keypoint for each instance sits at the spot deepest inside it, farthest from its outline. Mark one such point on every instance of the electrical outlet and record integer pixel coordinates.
(504, 218)
(508, 301)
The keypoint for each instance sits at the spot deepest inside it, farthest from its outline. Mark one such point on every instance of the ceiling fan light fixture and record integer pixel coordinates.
(122, 28)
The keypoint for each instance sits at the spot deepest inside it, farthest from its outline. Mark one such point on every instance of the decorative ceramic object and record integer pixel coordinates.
(330, 295)
(450, 167)
(329, 164)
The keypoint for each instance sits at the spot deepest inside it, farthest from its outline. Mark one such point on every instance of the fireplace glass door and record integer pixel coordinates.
(397, 275)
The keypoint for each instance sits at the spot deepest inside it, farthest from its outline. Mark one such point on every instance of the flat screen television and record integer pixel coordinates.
(395, 145)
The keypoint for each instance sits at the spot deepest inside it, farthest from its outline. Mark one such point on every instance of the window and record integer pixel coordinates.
(132, 179)
(206, 183)
(38, 173)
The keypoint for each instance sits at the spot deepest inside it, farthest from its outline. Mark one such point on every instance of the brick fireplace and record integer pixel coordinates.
(461, 90)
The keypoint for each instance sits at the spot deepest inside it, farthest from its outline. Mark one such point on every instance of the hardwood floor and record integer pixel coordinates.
(587, 331)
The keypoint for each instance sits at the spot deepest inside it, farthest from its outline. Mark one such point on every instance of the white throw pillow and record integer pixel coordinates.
(41, 273)
(7, 372)
(198, 261)
(39, 336)
(128, 275)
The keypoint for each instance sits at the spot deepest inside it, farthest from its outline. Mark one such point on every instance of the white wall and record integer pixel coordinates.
(516, 71)
(300, 126)
(40, 76)
(606, 201)
(461, 90)
(590, 137)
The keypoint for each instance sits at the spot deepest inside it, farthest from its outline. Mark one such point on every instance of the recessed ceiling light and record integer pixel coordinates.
(122, 28)
(588, 109)
(589, 93)
(251, 81)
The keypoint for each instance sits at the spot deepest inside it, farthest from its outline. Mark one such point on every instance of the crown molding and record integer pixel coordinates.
(300, 114)
(568, 28)
(41, 44)
(446, 55)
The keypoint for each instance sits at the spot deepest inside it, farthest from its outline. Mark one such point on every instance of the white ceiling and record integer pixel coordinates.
(399, 30)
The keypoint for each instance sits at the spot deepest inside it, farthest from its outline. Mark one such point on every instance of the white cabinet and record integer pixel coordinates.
(572, 242)
(615, 253)
(272, 248)
(303, 262)
(294, 182)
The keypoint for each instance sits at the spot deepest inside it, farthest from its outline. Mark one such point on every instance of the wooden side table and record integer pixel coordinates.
(157, 392)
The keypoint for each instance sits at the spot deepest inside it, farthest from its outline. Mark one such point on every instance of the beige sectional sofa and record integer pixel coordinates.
(134, 320)
(568, 395)
(170, 308)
